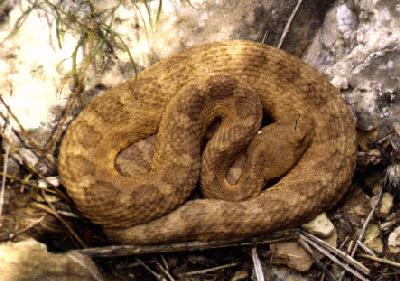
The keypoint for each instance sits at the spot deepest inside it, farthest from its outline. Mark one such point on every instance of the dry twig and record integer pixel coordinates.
(164, 268)
(3, 179)
(366, 222)
(29, 226)
(126, 250)
(257, 264)
(343, 255)
(27, 183)
(325, 272)
(208, 270)
(333, 258)
(380, 260)
(52, 211)
(288, 23)
(366, 249)
(364, 227)
(155, 274)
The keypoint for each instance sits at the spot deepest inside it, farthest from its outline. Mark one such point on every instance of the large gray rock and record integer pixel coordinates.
(358, 47)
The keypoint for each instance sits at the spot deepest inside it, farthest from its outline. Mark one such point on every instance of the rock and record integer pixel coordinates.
(291, 254)
(386, 204)
(320, 226)
(356, 206)
(54, 181)
(332, 240)
(295, 256)
(358, 48)
(29, 260)
(140, 28)
(340, 82)
(346, 21)
(373, 239)
(394, 241)
(367, 121)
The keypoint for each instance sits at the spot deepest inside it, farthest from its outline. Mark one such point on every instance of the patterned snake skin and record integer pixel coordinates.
(296, 167)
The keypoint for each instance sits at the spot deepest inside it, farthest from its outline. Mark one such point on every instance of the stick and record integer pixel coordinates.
(289, 22)
(367, 220)
(3, 179)
(333, 258)
(339, 253)
(257, 264)
(126, 250)
(207, 270)
(381, 260)
(165, 268)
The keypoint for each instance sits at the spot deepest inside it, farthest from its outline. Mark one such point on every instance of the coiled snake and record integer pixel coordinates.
(307, 152)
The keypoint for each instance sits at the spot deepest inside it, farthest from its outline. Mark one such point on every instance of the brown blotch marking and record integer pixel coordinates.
(221, 85)
(194, 219)
(104, 190)
(192, 104)
(93, 133)
(288, 73)
(82, 166)
(145, 191)
(311, 91)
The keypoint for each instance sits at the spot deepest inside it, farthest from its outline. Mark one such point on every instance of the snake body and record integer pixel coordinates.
(308, 151)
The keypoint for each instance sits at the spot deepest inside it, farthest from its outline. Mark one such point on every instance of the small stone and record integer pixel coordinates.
(386, 204)
(54, 181)
(373, 238)
(332, 240)
(320, 226)
(356, 206)
(291, 254)
(30, 260)
(394, 240)
(295, 256)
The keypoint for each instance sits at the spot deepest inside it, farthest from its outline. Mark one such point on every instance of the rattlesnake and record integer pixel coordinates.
(307, 152)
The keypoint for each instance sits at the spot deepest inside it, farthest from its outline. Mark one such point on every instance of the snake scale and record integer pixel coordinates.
(295, 167)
